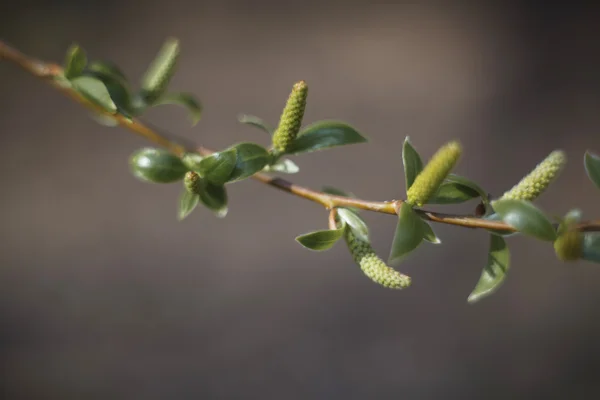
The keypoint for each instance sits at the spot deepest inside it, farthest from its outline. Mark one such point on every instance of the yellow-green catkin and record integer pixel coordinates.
(162, 69)
(539, 179)
(291, 118)
(569, 246)
(434, 173)
(372, 265)
(193, 182)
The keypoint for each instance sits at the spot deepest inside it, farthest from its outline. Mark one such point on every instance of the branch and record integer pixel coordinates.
(49, 71)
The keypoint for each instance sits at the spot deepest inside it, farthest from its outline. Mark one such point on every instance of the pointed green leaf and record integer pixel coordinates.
(95, 91)
(75, 62)
(409, 234)
(461, 180)
(496, 217)
(106, 70)
(157, 165)
(284, 166)
(320, 240)
(494, 272)
(323, 135)
(192, 161)
(256, 122)
(218, 166)
(115, 83)
(452, 193)
(214, 197)
(592, 167)
(526, 218)
(159, 73)
(413, 165)
(429, 235)
(591, 247)
(354, 222)
(251, 158)
(187, 203)
(186, 100)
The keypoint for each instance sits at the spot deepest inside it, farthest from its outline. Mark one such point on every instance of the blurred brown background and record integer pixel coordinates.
(104, 295)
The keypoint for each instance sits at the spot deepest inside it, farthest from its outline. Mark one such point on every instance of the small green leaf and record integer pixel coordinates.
(106, 70)
(526, 218)
(413, 165)
(285, 166)
(494, 272)
(256, 122)
(214, 197)
(192, 161)
(218, 166)
(409, 233)
(429, 235)
(187, 203)
(251, 158)
(354, 222)
(75, 62)
(157, 165)
(591, 247)
(321, 240)
(461, 180)
(161, 70)
(592, 167)
(115, 82)
(323, 135)
(186, 100)
(95, 91)
(452, 193)
(496, 217)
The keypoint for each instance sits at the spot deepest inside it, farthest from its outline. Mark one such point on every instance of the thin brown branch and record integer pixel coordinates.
(48, 72)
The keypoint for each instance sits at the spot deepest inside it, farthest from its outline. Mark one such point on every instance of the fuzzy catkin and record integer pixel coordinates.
(160, 72)
(193, 182)
(291, 118)
(434, 173)
(538, 180)
(372, 265)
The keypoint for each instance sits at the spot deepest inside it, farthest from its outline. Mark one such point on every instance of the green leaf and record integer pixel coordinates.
(592, 167)
(157, 165)
(413, 165)
(285, 166)
(354, 222)
(494, 272)
(218, 166)
(161, 70)
(461, 180)
(251, 158)
(409, 234)
(75, 62)
(186, 100)
(526, 218)
(496, 217)
(591, 247)
(429, 235)
(95, 91)
(106, 70)
(187, 203)
(214, 197)
(115, 83)
(320, 240)
(256, 122)
(192, 161)
(452, 193)
(323, 135)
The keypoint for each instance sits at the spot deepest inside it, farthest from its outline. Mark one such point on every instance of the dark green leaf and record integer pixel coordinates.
(285, 166)
(320, 240)
(413, 165)
(323, 135)
(95, 91)
(187, 203)
(251, 158)
(526, 218)
(354, 222)
(218, 166)
(592, 167)
(214, 197)
(192, 161)
(186, 100)
(256, 122)
(494, 272)
(106, 70)
(409, 234)
(115, 83)
(429, 235)
(461, 180)
(496, 217)
(159, 73)
(452, 193)
(75, 62)
(591, 247)
(157, 165)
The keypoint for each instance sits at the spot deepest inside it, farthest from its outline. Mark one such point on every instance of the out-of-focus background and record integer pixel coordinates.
(104, 295)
